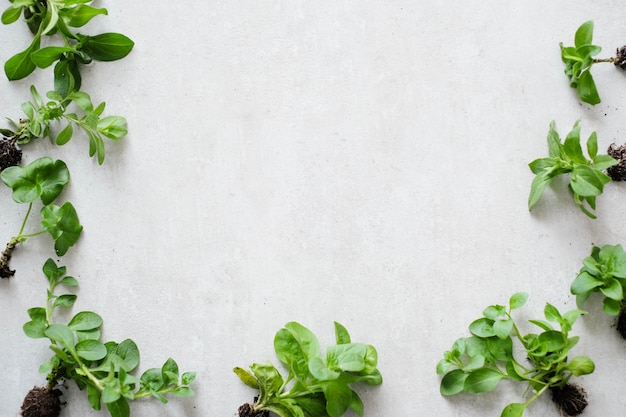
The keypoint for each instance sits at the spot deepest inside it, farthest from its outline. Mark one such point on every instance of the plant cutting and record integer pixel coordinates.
(476, 364)
(587, 178)
(40, 117)
(316, 385)
(579, 59)
(604, 272)
(103, 370)
(43, 179)
(59, 17)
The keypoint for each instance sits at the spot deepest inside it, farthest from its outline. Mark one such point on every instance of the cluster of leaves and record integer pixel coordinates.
(587, 177)
(50, 17)
(579, 59)
(476, 364)
(604, 271)
(43, 179)
(103, 369)
(320, 387)
(40, 116)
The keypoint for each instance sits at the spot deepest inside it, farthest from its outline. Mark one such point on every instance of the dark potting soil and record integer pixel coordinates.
(617, 172)
(571, 399)
(5, 257)
(247, 411)
(10, 155)
(621, 324)
(620, 57)
(42, 402)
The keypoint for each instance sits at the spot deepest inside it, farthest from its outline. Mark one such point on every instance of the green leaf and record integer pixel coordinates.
(584, 34)
(152, 379)
(613, 289)
(246, 377)
(585, 283)
(592, 145)
(42, 178)
(341, 334)
(320, 371)
(45, 57)
(64, 81)
(452, 383)
(11, 15)
(80, 15)
(63, 225)
(518, 300)
(66, 300)
(501, 349)
(106, 46)
(482, 380)
(91, 350)
(537, 187)
(602, 162)
(128, 351)
(347, 357)
(482, 327)
(587, 90)
(587, 182)
(85, 321)
(61, 334)
(113, 127)
(338, 397)
(502, 328)
(65, 135)
(21, 65)
(169, 372)
(183, 392)
(552, 340)
(551, 313)
(93, 397)
(119, 408)
(187, 378)
(581, 365)
(513, 410)
(611, 307)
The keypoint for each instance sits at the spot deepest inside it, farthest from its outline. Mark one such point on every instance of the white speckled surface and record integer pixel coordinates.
(364, 162)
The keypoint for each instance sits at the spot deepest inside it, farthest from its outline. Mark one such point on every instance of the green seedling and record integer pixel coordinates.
(103, 370)
(40, 116)
(587, 179)
(579, 59)
(316, 386)
(604, 272)
(59, 17)
(41, 180)
(476, 364)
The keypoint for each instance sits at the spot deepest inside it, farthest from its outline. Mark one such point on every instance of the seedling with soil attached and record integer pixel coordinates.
(102, 369)
(315, 386)
(476, 364)
(43, 179)
(604, 272)
(587, 180)
(579, 59)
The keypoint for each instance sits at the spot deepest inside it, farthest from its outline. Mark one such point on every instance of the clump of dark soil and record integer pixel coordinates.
(617, 172)
(10, 154)
(41, 402)
(246, 410)
(570, 399)
(621, 323)
(620, 57)
(5, 257)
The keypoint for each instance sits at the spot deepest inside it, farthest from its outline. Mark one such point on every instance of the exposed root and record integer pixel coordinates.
(617, 172)
(571, 399)
(5, 257)
(41, 402)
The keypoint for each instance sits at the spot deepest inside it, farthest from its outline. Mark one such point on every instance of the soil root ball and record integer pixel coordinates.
(10, 155)
(620, 58)
(621, 324)
(571, 399)
(246, 410)
(41, 402)
(617, 172)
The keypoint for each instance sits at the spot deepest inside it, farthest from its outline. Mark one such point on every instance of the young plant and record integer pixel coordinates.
(43, 179)
(476, 364)
(50, 17)
(40, 117)
(104, 370)
(316, 386)
(604, 271)
(579, 59)
(587, 179)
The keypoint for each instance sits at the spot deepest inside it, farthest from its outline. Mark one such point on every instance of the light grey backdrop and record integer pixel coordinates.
(364, 162)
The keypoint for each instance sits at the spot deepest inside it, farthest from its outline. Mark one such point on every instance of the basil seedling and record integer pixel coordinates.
(316, 386)
(579, 59)
(43, 179)
(476, 364)
(104, 370)
(587, 179)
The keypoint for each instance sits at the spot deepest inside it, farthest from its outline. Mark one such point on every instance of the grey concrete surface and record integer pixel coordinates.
(364, 162)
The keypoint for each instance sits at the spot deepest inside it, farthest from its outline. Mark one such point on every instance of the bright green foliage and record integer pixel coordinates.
(587, 179)
(316, 385)
(58, 17)
(578, 60)
(604, 271)
(478, 363)
(40, 116)
(44, 179)
(104, 370)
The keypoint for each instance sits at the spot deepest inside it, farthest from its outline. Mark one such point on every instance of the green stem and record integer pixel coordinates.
(598, 60)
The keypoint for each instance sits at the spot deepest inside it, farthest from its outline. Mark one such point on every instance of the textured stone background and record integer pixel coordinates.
(359, 161)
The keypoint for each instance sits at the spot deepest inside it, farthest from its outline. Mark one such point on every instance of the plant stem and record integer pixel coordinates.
(599, 60)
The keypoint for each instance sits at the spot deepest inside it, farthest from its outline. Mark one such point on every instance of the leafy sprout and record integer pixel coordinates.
(587, 179)
(41, 180)
(59, 17)
(104, 370)
(316, 385)
(476, 364)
